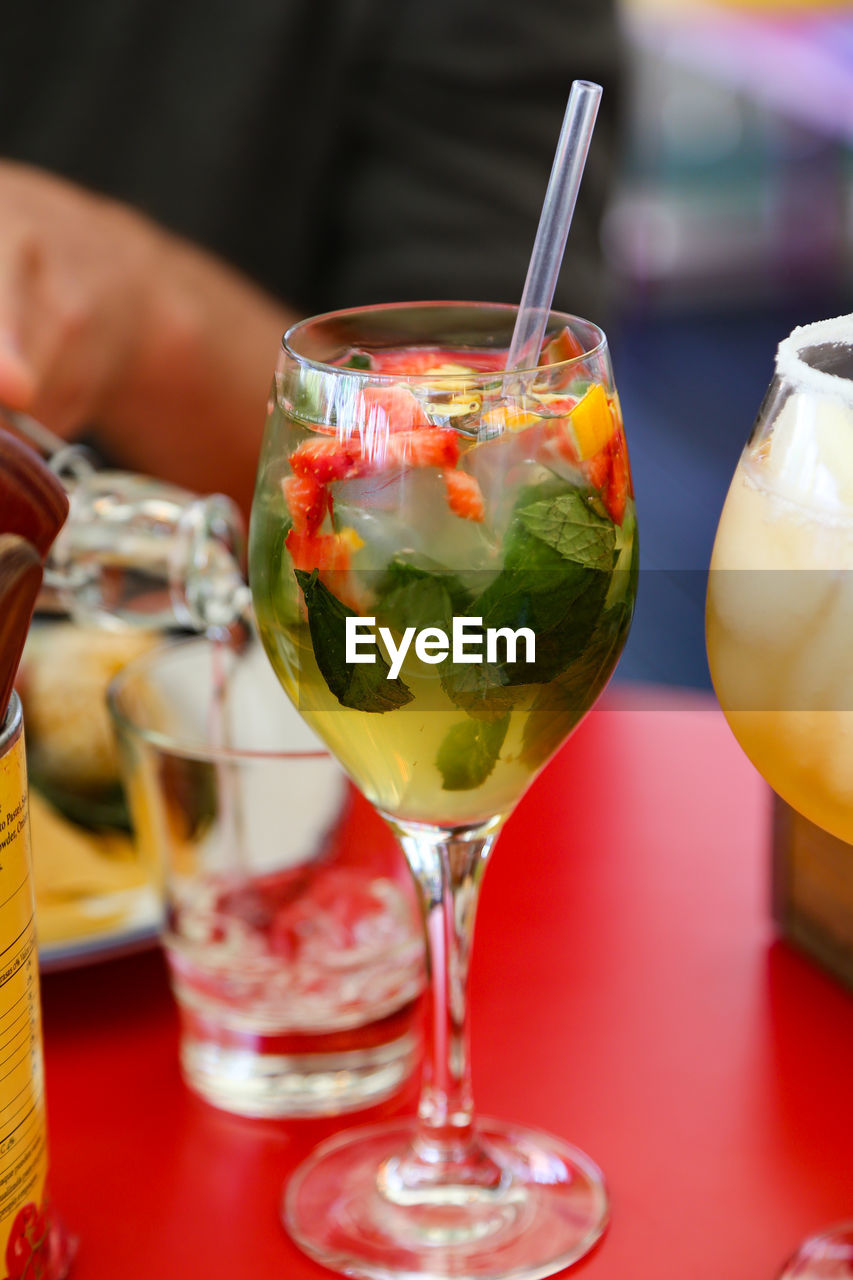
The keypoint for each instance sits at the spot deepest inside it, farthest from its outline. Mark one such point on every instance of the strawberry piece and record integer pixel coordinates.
(561, 404)
(417, 361)
(609, 473)
(618, 487)
(411, 361)
(464, 496)
(307, 501)
(331, 553)
(306, 550)
(392, 408)
(564, 346)
(324, 551)
(435, 447)
(598, 469)
(327, 459)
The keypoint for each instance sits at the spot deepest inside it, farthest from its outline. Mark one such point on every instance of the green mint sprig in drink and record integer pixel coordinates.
(444, 561)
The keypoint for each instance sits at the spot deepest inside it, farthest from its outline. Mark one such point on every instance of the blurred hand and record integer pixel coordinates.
(111, 322)
(76, 275)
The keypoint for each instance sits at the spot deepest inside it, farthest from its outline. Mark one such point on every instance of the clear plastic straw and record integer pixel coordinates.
(554, 222)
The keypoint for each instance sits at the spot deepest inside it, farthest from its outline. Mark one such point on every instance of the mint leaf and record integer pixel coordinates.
(410, 596)
(469, 752)
(558, 563)
(363, 686)
(480, 688)
(358, 360)
(270, 573)
(559, 599)
(414, 595)
(560, 707)
(309, 395)
(416, 604)
(569, 525)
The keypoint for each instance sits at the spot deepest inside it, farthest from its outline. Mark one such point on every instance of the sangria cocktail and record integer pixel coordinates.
(443, 562)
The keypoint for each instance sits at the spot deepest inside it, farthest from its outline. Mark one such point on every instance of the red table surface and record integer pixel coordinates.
(628, 994)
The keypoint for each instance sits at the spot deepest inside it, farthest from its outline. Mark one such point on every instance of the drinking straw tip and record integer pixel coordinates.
(557, 211)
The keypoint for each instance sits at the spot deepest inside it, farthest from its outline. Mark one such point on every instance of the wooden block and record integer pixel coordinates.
(813, 890)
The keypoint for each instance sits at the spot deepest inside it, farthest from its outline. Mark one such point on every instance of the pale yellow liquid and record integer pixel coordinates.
(780, 613)
(393, 757)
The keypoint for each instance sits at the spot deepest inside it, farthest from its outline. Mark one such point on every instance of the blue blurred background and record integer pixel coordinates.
(731, 223)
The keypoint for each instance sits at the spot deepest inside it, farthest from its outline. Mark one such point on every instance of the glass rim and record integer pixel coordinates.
(799, 373)
(191, 748)
(477, 376)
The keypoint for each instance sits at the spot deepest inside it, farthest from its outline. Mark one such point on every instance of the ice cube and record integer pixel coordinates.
(757, 589)
(811, 452)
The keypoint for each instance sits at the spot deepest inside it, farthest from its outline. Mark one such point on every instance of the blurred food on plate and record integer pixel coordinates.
(87, 877)
(85, 881)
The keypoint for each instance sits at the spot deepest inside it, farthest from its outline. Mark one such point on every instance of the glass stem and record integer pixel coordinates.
(448, 867)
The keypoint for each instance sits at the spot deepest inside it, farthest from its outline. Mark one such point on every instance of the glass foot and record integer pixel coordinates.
(546, 1208)
(828, 1256)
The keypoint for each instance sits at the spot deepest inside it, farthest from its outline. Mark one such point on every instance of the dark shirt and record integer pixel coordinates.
(337, 151)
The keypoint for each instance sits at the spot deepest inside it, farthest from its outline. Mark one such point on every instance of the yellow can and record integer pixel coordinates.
(30, 1243)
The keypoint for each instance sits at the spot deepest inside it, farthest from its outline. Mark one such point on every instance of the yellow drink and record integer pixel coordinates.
(780, 598)
(393, 758)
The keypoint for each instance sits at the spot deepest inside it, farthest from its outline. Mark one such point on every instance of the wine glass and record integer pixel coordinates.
(780, 611)
(443, 565)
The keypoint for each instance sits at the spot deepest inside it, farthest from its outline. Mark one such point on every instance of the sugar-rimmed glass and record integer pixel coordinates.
(779, 613)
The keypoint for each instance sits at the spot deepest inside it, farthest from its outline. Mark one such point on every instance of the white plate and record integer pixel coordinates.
(138, 930)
